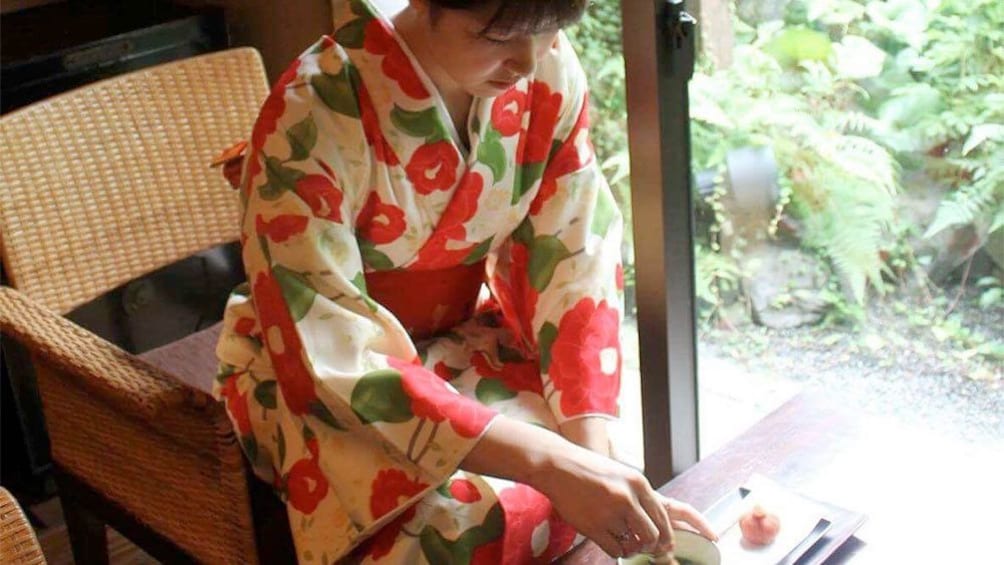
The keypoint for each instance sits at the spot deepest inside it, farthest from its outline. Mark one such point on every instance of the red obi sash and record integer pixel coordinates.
(428, 302)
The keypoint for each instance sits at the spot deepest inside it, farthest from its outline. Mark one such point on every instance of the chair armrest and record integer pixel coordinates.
(161, 450)
(117, 377)
(18, 542)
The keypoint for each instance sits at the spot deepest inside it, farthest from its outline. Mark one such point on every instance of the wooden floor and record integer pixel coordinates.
(56, 543)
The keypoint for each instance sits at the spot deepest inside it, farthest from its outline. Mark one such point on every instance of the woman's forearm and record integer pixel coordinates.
(517, 451)
(589, 432)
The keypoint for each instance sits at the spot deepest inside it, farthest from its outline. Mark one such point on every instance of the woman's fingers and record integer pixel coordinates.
(689, 515)
(660, 518)
(644, 534)
(609, 544)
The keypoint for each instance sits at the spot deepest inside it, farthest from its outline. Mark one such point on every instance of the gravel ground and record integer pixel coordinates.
(907, 360)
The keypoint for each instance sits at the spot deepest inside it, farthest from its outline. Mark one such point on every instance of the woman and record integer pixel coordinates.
(404, 416)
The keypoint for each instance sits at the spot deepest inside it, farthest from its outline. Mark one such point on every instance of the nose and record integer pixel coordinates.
(523, 59)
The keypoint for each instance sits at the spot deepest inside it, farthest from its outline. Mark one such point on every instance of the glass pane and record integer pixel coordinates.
(848, 159)
(597, 40)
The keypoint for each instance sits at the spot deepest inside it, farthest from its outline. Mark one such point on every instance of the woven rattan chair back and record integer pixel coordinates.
(99, 186)
(18, 544)
(105, 183)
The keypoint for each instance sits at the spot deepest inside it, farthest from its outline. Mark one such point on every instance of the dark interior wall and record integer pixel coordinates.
(279, 29)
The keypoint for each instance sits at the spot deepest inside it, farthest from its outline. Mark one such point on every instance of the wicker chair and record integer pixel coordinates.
(18, 544)
(97, 187)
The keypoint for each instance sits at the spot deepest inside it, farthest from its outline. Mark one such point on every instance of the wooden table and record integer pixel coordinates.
(928, 498)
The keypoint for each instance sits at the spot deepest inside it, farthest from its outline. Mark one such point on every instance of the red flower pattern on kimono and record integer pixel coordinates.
(254, 167)
(379, 40)
(507, 111)
(544, 109)
(516, 375)
(516, 296)
(488, 553)
(379, 221)
(306, 485)
(433, 166)
(273, 108)
(443, 371)
(321, 194)
(281, 227)
(284, 345)
(423, 161)
(526, 295)
(237, 404)
(244, 326)
(464, 204)
(371, 129)
(387, 490)
(465, 491)
(268, 119)
(433, 400)
(566, 160)
(389, 487)
(525, 510)
(586, 358)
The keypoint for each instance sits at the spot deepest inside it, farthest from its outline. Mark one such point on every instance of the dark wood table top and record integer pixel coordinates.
(928, 498)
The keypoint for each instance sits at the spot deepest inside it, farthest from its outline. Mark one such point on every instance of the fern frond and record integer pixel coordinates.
(855, 122)
(965, 206)
(713, 269)
(998, 220)
(853, 242)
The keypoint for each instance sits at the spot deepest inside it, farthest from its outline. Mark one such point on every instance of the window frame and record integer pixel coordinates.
(658, 66)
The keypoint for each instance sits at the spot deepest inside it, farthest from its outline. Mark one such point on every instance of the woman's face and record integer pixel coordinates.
(483, 64)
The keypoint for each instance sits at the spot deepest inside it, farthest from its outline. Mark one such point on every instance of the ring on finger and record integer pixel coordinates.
(627, 540)
(624, 536)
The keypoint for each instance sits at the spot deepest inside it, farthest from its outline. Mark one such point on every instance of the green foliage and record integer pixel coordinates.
(794, 45)
(841, 184)
(845, 92)
(715, 274)
(951, 103)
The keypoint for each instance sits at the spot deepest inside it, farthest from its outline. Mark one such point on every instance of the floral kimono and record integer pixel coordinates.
(404, 289)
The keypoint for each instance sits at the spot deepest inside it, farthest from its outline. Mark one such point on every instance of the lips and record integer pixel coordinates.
(504, 84)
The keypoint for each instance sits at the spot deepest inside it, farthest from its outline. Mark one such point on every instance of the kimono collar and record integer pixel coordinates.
(410, 110)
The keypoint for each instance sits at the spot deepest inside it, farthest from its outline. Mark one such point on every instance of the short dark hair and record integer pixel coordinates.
(520, 16)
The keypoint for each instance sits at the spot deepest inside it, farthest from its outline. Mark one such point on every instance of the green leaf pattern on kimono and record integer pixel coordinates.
(302, 138)
(353, 420)
(379, 397)
(425, 124)
(338, 91)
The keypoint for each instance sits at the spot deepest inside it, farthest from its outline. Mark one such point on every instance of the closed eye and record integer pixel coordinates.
(496, 40)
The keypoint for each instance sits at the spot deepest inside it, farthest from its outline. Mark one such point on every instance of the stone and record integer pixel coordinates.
(785, 286)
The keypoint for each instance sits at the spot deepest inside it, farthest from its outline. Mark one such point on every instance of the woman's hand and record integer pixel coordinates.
(685, 517)
(610, 503)
(605, 500)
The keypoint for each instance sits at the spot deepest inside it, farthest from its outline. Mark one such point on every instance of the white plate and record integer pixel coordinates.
(799, 517)
(691, 549)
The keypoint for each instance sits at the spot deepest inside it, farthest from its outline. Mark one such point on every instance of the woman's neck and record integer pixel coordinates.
(416, 35)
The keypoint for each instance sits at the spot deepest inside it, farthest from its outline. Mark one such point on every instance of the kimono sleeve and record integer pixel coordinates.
(558, 274)
(343, 363)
